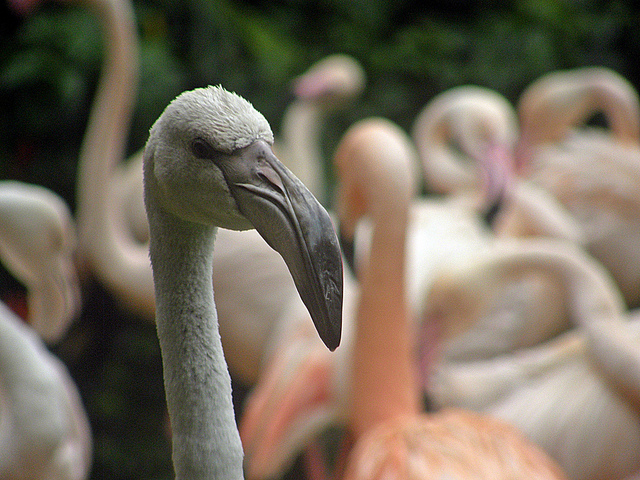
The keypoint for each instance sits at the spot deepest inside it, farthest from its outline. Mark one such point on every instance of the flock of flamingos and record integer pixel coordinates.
(505, 296)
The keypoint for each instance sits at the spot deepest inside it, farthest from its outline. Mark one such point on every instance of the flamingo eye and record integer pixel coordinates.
(202, 149)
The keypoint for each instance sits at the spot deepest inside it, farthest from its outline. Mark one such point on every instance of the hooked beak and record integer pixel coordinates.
(294, 224)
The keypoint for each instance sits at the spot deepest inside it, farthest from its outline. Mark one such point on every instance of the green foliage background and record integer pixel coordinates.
(49, 67)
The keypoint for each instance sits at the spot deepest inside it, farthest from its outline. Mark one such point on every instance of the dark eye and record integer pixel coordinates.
(201, 149)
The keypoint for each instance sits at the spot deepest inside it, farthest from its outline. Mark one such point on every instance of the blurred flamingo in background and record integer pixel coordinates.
(304, 390)
(466, 138)
(328, 85)
(455, 129)
(392, 438)
(44, 430)
(536, 333)
(38, 244)
(107, 237)
(558, 105)
(593, 172)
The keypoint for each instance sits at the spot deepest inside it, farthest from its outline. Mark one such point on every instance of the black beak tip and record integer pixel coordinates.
(332, 338)
(329, 324)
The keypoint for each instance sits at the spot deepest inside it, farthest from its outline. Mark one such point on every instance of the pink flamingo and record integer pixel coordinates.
(593, 172)
(466, 137)
(455, 129)
(374, 161)
(536, 333)
(328, 85)
(392, 437)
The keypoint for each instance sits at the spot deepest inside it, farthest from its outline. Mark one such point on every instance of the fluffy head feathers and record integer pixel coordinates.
(228, 120)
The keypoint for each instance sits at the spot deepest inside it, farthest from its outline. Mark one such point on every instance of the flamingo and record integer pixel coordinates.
(457, 127)
(37, 244)
(556, 105)
(593, 172)
(327, 85)
(467, 133)
(106, 237)
(305, 389)
(44, 430)
(453, 443)
(208, 163)
(536, 333)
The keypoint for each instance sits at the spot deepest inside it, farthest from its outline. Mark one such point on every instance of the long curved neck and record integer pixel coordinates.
(621, 109)
(104, 142)
(384, 380)
(597, 308)
(566, 102)
(592, 295)
(445, 171)
(301, 137)
(116, 258)
(206, 443)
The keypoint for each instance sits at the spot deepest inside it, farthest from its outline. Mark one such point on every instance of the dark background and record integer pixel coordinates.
(49, 67)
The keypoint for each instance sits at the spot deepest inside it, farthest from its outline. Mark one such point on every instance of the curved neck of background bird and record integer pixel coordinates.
(384, 381)
(596, 307)
(445, 171)
(115, 258)
(105, 138)
(621, 109)
(592, 295)
(561, 110)
(206, 443)
(301, 136)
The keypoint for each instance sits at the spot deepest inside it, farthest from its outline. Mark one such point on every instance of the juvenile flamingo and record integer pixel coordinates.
(208, 163)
